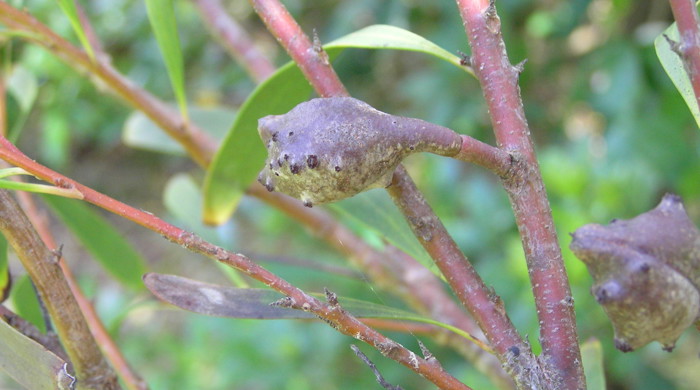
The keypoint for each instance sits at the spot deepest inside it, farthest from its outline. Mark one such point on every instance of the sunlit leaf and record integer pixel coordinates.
(104, 242)
(142, 133)
(161, 13)
(222, 301)
(241, 155)
(71, 11)
(29, 363)
(673, 65)
(592, 356)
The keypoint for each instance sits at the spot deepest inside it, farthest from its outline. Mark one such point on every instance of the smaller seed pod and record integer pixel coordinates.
(334, 148)
(646, 273)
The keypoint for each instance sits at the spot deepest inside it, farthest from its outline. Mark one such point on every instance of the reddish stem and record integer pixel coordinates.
(491, 314)
(235, 39)
(686, 15)
(499, 81)
(107, 345)
(484, 305)
(197, 143)
(296, 298)
(310, 58)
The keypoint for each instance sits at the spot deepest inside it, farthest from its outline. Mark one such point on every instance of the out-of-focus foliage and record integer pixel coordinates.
(612, 133)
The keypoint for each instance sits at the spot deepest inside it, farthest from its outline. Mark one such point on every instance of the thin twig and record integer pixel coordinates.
(90, 366)
(308, 56)
(112, 352)
(326, 83)
(296, 298)
(234, 39)
(380, 379)
(196, 142)
(686, 15)
(486, 307)
(499, 81)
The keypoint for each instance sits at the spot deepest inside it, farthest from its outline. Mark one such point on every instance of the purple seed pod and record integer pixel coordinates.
(646, 273)
(329, 149)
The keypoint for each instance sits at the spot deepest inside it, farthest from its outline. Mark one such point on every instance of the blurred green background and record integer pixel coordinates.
(612, 133)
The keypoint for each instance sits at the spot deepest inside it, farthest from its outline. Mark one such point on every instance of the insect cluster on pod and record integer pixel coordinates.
(329, 149)
(646, 273)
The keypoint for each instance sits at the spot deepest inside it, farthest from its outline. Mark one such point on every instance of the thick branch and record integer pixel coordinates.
(499, 81)
(234, 39)
(327, 84)
(484, 305)
(686, 15)
(110, 349)
(41, 264)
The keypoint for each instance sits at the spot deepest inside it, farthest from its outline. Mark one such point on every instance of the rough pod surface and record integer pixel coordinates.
(646, 273)
(329, 149)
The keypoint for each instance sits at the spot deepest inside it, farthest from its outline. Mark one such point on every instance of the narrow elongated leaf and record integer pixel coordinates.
(26, 303)
(673, 65)
(241, 155)
(5, 280)
(103, 241)
(222, 301)
(161, 14)
(29, 363)
(71, 11)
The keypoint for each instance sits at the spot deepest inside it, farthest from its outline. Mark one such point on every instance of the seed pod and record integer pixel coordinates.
(646, 273)
(329, 149)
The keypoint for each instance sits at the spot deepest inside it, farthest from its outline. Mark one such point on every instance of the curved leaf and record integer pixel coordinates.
(71, 11)
(103, 241)
(161, 14)
(30, 363)
(242, 154)
(673, 65)
(222, 301)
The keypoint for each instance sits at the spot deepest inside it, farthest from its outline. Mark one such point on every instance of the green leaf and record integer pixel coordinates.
(5, 280)
(30, 363)
(375, 211)
(26, 303)
(103, 241)
(142, 133)
(222, 301)
(592, 356)
(242, 154)
(382, 36)
(161, 14)
(71, 11)
(23, 87)
(673, 65)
